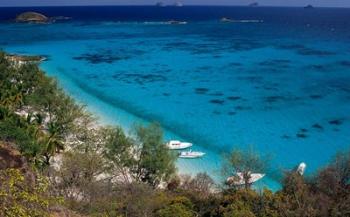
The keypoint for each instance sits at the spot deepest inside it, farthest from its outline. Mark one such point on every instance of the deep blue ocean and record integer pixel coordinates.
(280, 86)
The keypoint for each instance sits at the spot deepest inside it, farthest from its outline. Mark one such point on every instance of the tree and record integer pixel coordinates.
(341, 164)
(120, 152)
(79, 177)
(154, 162)
(52, 142)
(239, 213)
(240, 202)
(83, 177)
(175, 210)
(178, 207)
(245, 162)
(333, 184)
(201, 185)
(140, 199)
(201, 190)
(297, 197)
(27, 85)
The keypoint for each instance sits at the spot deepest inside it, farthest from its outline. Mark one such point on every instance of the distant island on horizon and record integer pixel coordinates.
(254, 4)
(179, 4)
(175, 4)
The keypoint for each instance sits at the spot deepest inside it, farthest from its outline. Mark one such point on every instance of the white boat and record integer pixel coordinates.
(177, 145)
(239, 180)
(301, 168)
(191, 154)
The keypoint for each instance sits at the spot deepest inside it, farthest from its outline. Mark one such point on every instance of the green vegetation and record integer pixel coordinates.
(21, 197)
(48, 113)
(154, 162)
(101, 171)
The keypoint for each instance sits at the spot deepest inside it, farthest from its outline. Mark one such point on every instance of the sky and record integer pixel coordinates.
(321, 3)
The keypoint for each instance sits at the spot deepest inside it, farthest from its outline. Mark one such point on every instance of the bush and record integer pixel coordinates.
(21, 196)
(175, 210)
(178, 207)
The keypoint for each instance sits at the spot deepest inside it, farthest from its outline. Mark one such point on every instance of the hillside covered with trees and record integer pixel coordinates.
(56, 161)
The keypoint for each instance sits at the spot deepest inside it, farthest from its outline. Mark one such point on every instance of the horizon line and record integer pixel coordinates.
(167, 6)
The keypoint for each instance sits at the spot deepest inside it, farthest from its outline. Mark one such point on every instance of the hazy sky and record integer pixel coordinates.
(325, 3)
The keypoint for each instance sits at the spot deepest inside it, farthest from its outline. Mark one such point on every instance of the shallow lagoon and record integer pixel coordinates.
(280, 87)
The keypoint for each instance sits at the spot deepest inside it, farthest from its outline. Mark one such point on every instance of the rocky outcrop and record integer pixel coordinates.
(10, 157)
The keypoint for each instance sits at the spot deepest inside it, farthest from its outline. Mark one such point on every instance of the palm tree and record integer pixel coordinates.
(53, 142)
(18, 99)
(10, 98)
(35, 125)
(39, 119)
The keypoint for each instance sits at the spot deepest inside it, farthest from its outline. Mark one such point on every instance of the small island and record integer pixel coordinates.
(160, 4)
(226, 20)
(309, 7)
(254, 4)
(178, 4)
(32, 17)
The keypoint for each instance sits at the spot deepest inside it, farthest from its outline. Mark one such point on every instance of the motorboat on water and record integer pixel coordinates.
(301, 168)
(191, 154)
(178, 145)
(238, 179)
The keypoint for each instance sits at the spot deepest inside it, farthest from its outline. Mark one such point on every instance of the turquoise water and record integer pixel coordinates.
(282, 88)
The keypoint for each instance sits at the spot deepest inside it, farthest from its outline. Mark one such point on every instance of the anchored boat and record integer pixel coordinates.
(177, 145)
(238, 179)
(301, 168)
(191, 154)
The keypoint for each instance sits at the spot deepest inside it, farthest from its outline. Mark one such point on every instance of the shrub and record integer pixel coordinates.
(21, 196)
